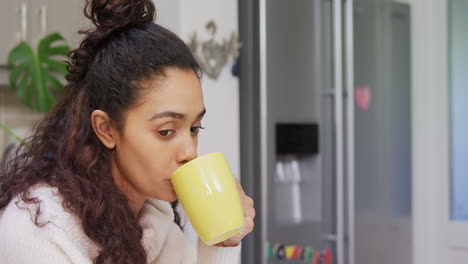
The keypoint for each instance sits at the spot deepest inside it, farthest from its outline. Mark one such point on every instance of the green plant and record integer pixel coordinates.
(11, 133)
(33, 75)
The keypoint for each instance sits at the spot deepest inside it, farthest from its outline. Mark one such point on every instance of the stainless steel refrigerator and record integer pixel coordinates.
(326, 130)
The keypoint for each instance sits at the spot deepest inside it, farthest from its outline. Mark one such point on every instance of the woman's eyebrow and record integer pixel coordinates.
(174, 115)
(168, 114)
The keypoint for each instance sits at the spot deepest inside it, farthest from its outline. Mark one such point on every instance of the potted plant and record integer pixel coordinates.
(35, 75)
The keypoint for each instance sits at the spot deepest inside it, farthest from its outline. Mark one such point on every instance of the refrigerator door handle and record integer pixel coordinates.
(338, 121)
(349, 73)
(263, 128)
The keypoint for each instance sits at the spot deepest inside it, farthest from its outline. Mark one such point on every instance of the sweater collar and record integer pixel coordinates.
(156, 219)
(163, 207)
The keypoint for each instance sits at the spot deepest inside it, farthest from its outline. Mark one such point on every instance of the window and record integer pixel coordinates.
(458, 41)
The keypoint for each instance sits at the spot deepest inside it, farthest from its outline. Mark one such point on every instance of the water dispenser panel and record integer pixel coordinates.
(297, 138)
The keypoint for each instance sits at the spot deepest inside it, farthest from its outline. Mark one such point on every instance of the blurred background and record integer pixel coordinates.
(345, 120)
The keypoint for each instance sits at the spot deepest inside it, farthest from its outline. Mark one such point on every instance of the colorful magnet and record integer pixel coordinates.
(317, 258)
(303, 254)
(270, 253)
(363, 97)
(326, 256)
(280, 252)
(296, 253)
(310, 254)
(289, 252)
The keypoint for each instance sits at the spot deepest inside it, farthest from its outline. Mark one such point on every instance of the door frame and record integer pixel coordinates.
(430, 134)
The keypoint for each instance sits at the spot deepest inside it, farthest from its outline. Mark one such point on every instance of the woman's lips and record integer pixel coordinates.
(170, 183)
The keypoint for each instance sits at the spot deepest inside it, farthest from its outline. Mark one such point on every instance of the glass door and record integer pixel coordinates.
(457, 198)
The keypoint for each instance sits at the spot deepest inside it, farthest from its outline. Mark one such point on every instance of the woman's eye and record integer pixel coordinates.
(194, 130)
(165, 133)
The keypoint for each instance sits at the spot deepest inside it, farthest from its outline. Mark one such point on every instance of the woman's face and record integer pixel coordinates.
(159, 135)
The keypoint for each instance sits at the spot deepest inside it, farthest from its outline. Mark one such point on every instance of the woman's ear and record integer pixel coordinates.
(103, 128)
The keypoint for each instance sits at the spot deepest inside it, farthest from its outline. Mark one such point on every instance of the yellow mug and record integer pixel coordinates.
(208, 193)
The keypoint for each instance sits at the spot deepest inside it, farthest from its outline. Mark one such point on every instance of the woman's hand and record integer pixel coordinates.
(249, 215)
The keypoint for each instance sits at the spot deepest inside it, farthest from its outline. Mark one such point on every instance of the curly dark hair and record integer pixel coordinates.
(124, 49)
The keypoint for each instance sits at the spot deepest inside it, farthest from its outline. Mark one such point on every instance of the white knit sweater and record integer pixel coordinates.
(62, 239)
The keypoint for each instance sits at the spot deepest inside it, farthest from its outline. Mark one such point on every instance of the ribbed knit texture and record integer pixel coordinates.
(62, 239)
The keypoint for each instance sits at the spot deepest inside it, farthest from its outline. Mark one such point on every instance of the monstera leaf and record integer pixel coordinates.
(35, 76)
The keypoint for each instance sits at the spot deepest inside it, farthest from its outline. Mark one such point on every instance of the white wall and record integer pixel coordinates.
(168, 14)
(430, 128)
(222, 95)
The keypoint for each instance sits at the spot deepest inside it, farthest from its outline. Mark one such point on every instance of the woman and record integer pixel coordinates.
(92, 184)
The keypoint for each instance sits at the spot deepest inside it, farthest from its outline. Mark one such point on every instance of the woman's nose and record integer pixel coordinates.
(187, 151)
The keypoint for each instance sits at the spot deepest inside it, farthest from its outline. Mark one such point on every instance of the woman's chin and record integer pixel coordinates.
(170, 196)
(171, 199)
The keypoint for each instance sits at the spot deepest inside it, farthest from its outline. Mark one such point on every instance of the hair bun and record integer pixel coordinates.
(111, 15)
